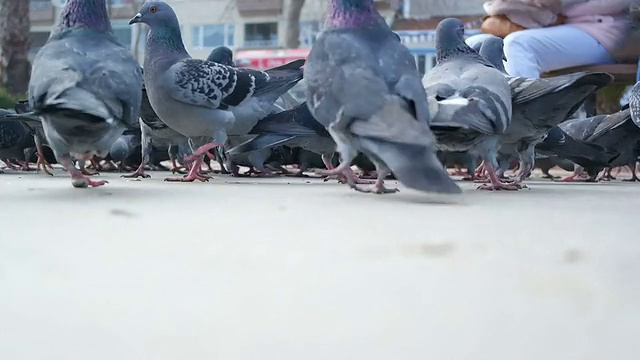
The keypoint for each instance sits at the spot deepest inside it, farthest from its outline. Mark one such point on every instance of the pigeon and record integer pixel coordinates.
(22, 111)
(541, 104)
(294, 128)
(221, 55)
(15, 139)
(364, 87)
(201, 99)
(492, 49)
(154, 133)
(470, 100)
(616, 132)
(84, 87)
(587, 155)
(538, 105)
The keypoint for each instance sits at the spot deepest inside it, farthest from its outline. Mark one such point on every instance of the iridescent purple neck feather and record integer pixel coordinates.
(352, 14)
(90, 14)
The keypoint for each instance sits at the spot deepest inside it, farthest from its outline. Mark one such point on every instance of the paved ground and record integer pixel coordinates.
(300, 269)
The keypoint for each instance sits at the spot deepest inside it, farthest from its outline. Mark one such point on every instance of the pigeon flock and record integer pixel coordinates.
(92, 107)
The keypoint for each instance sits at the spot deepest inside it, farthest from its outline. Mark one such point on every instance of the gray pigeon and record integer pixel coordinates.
(615, 133)
(84, 87)
(294, 128)
(15, 140)
(221, 55)
(363, 86)
(35, 127)
(154, 133)
(492, 49)
(541, 104)
(470, 100)
(202, 99)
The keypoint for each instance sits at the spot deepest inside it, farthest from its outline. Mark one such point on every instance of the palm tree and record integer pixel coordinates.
(15, 27)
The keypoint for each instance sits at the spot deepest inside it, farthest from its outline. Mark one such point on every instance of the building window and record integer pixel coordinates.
(209, 36)
(37, 5)
(261, 35)
(309, 31)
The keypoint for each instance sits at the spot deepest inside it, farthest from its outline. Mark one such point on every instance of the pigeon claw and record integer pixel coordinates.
(189, 178)
(82, 182)
(136, 174)
(500, 186)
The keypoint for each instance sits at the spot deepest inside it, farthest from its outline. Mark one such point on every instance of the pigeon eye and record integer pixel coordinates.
(153, 9)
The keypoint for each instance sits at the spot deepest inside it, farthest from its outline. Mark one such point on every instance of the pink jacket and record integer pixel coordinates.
(606, 20)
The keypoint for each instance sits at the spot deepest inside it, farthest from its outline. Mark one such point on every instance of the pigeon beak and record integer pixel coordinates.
(135, 19)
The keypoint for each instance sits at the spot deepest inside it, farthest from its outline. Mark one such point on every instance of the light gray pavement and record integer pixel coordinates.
(300, 269)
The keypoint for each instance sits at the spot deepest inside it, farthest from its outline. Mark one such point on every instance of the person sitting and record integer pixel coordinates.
(559, 34)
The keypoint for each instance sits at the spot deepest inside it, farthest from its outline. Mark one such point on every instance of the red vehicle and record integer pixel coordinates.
(265, 59)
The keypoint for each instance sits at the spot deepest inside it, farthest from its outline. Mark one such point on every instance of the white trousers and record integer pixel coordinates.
(534, 51)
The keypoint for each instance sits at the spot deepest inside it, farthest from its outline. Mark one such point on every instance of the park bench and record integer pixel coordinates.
(624, 71)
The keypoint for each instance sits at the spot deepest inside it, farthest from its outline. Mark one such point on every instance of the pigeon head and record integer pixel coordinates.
(120, 149)
(353, 14)
(156, 14)
(493, 46)
(221, 55)
(450, 39)
(164, 27)
(90, 14)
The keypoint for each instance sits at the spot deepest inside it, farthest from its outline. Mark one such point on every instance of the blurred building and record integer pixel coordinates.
(250, 24)
(44, 16)
(256, 29)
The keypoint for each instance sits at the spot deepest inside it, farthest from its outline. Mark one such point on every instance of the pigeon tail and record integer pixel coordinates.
(405, 146)
(265, 141)
(281, 80)
(414, 166)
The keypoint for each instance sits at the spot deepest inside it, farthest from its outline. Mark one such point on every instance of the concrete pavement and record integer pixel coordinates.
(301, 269)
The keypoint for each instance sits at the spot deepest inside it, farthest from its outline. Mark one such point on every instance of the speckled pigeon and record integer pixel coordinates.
(202, 99)
(85, 86)
(470, 100)
(364, 87)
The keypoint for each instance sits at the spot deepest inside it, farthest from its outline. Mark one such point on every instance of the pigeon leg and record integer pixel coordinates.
(138, 173)
(9, 165)
(495, 184)
(78, 179)
(343, 176)
(634, 176)
(202, 150)
(578, 171)
(41, 163)
(145, 152)
(83, 170)
(175, 169)
(194, 173)
(26, 167)
(378, 187)
(457, 171)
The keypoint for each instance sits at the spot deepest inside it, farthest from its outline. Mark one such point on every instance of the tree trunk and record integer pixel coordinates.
(15, 28)
(292, 39)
